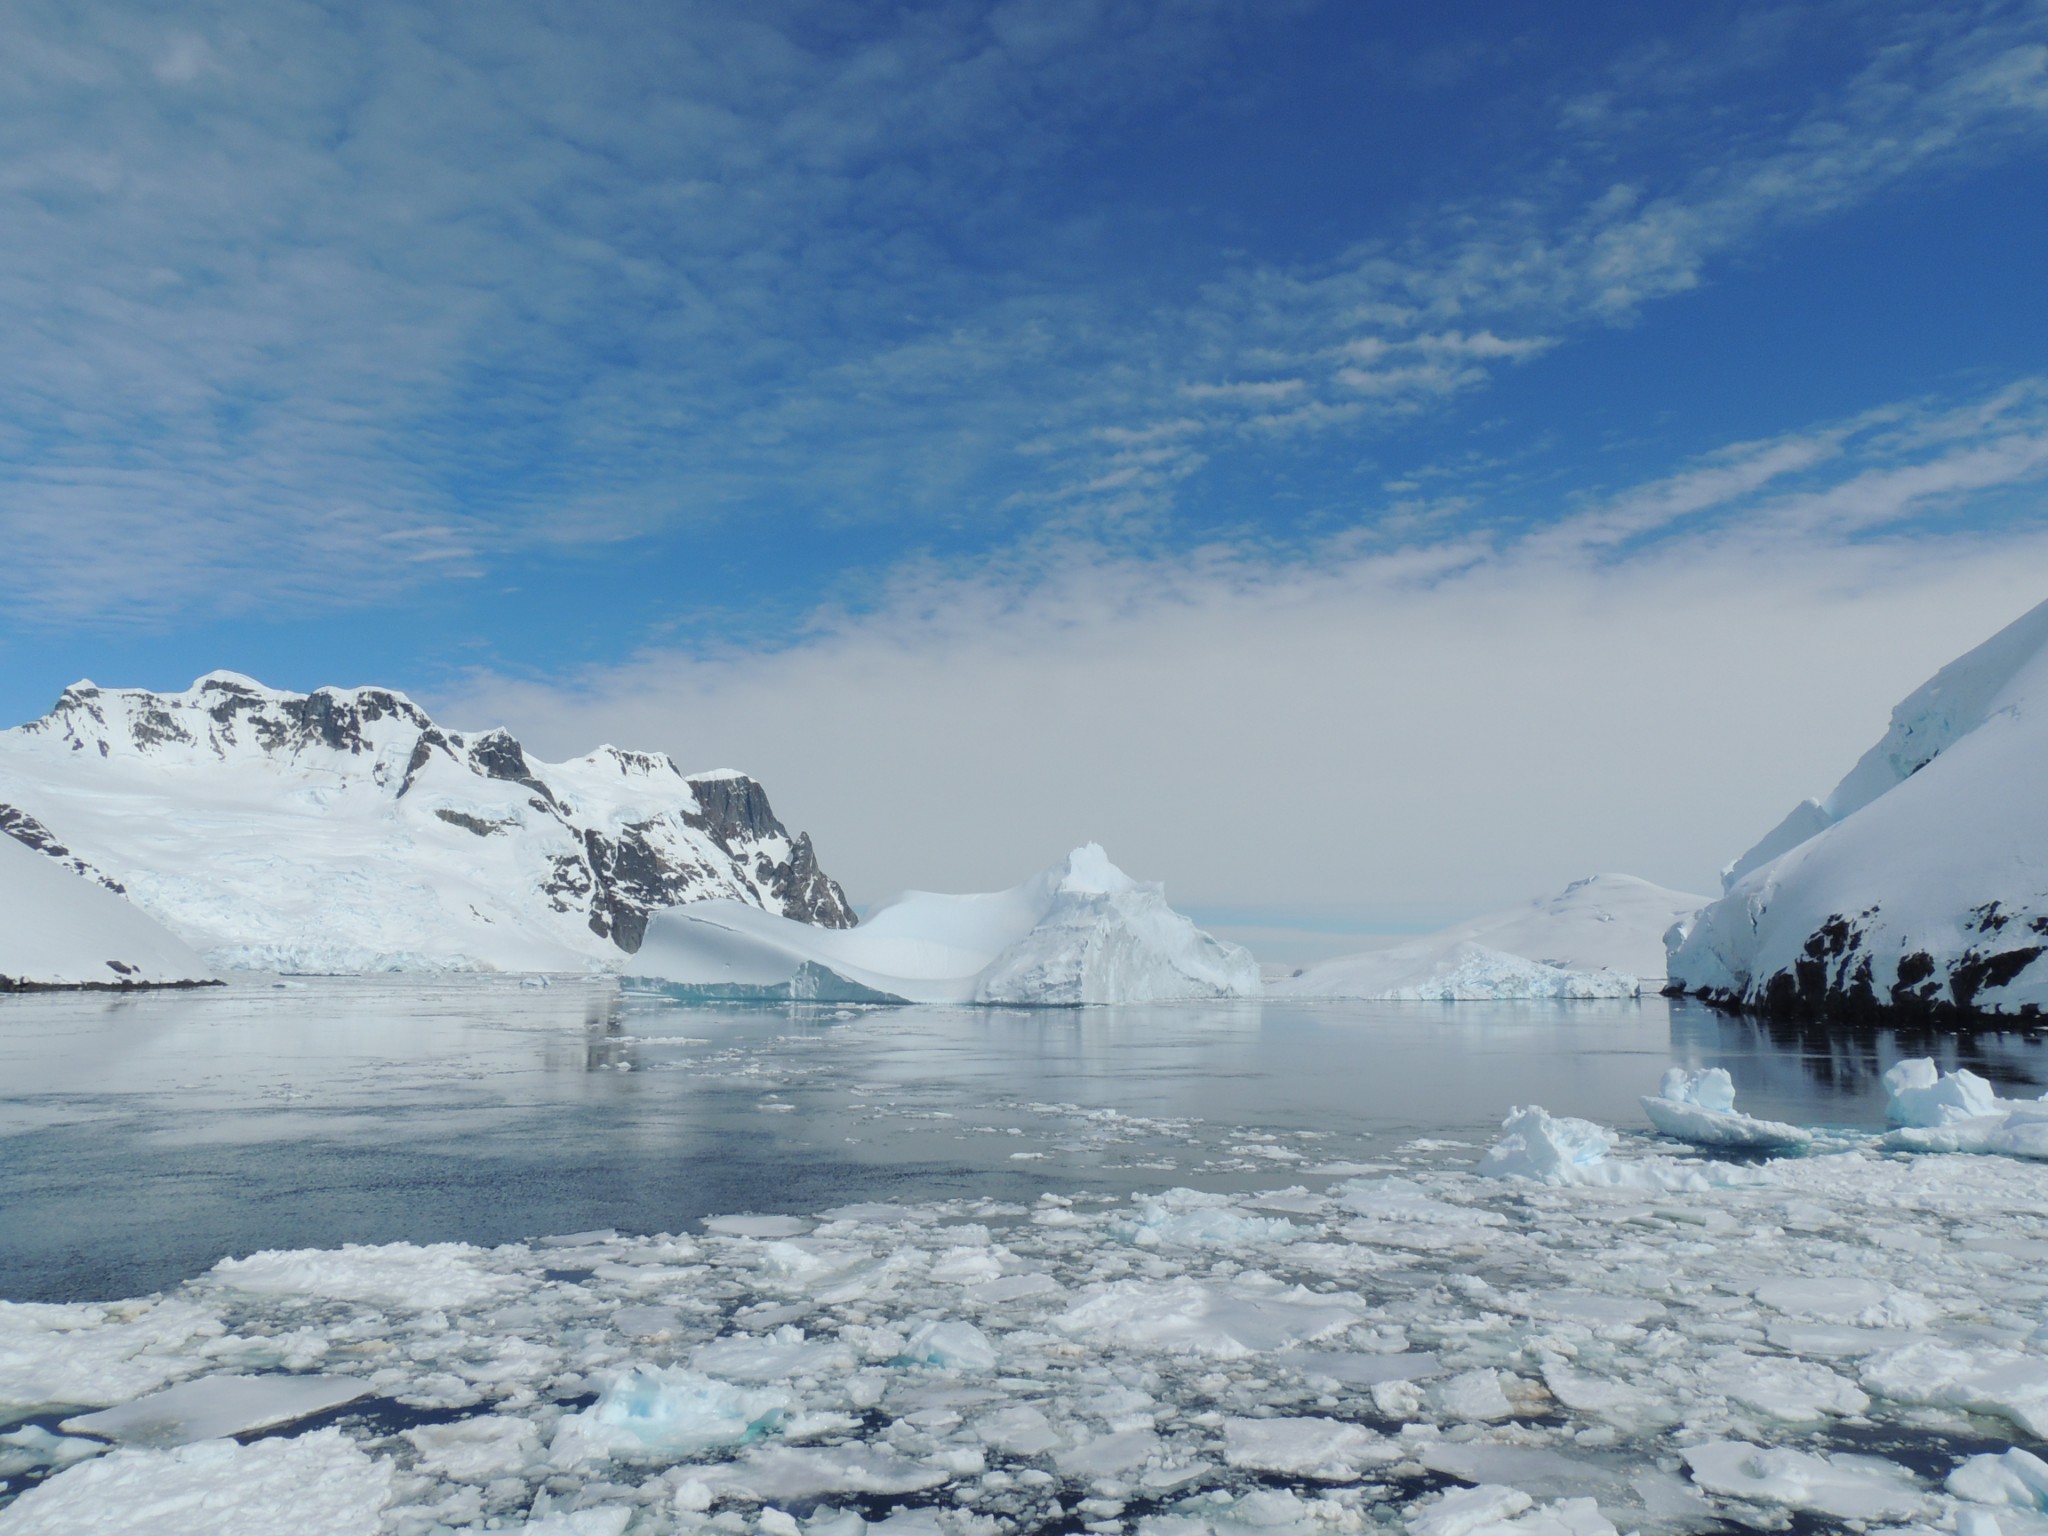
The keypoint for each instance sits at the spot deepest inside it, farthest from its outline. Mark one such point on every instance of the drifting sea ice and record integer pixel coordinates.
(1699, 1107)
(1608, 1338)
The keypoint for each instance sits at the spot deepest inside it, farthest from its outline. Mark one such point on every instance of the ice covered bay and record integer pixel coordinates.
(1164, 1274)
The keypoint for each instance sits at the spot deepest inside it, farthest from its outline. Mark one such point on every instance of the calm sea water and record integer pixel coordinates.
(144, 1137)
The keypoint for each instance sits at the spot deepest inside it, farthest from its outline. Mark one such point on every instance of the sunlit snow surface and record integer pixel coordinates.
(1847, 1336)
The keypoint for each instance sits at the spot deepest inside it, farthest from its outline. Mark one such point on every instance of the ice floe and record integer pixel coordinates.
(1582, 1335)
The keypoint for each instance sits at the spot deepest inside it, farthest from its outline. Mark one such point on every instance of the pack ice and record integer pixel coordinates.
(343, 830)
(1597, 938)
(1584, 1336)
(1919, 887)
(60, 929)
(1082, 932)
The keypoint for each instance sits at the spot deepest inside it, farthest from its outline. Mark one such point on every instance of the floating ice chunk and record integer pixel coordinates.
(443, 1277)
(777, 1356)
(784, 1474)
(217, 1407)
(1020, 1431)
(1553, 1148)
(312, 1483)
(1699, 1107)
(32, 1446)
(491, 1445)
(1225, 1321)
(1796, 1391)
(2018, 1479)
(1620, 1403)
(666, 1411)
(77, 1354)
(1492, 1509)
(1846, 1487)
(1107, 1455)
(2003, 1382)
(1328, 1450)
(1192, 1217)
(953, 1345)
(602, 1520)
(1472, 1396)
(757, 1226)
(1923, 1095)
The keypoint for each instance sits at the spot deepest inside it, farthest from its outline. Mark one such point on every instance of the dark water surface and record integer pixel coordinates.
(144, 1137)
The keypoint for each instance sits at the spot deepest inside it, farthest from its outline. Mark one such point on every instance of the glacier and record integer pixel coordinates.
(1583, 1335)
(1082, 932)
(59, 928)
(345, 831)
(1917, 890)
(1599, 937)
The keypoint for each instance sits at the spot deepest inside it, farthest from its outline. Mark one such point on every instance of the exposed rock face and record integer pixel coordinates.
(344, 829)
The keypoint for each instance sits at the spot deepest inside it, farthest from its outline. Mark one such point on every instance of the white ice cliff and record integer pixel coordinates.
(1082, 932)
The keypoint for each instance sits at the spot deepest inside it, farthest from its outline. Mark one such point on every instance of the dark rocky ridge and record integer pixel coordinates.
(1834, 979)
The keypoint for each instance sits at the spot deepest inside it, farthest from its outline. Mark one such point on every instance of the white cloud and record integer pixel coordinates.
(1375, 734)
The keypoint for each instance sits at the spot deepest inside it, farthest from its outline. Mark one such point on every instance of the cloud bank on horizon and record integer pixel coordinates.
(1442, 442)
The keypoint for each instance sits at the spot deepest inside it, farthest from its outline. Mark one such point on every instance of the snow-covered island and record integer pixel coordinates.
(1601, 937)
(1918, 890)
(1081, 932)
(344, 831)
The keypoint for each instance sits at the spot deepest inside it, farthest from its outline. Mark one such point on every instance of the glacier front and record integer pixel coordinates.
(1082, 932)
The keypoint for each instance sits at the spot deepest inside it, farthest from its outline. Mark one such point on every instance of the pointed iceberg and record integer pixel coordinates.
(1082, 932)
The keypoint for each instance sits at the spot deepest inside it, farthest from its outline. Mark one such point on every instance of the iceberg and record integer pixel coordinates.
(1699, 1107)
(1557, 1149)
(1083, 932)
(1958, 1111)
(1459, 972)
(1597, 938)
(1919, 888)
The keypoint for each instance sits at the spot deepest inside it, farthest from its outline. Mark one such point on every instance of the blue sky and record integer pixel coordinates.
(579, 363)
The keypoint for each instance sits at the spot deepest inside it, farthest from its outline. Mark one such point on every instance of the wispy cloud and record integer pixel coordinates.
(306, 306)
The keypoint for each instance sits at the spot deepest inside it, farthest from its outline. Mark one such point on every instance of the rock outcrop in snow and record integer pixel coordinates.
(1082, 932)
(58, 928)
(1918, 890)
(343, 830)
(1597, 938)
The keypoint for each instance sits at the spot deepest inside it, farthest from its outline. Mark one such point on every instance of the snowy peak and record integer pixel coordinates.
(345, 829)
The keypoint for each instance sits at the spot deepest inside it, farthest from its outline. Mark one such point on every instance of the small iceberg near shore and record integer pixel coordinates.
(1699, 1107)
(1959, 1111)
(1083, 932)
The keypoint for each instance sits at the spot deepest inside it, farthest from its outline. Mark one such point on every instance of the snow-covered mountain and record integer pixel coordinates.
(1919, 888)
(1599, 937)
(59, 928)
(343, 830)
(1082, 932)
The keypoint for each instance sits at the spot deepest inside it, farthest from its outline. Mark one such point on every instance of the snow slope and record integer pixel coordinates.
(1598, 937)
(343, 830)
(1919, 887)
(1082, 932)
(60, 929)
